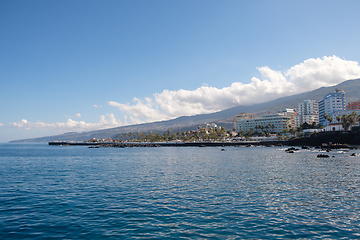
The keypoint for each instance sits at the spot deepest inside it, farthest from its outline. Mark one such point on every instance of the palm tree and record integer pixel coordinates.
(328, 118)
(354, 117)
(250, 132)
(267, 128)
(272, 127)
(348, 120)
(325, 116)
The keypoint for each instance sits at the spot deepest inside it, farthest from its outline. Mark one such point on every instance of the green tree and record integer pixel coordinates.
(328, 118)
(348, 120)
(256, 128)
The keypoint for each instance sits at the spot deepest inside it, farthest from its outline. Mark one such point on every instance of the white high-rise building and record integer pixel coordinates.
(308, 112)
(331, 103)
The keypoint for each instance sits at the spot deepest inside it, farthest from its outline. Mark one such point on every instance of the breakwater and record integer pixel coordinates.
(338, 137)
(170, 144)
(330, 139)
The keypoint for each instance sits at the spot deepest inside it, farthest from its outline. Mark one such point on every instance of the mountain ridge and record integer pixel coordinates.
(222, 118)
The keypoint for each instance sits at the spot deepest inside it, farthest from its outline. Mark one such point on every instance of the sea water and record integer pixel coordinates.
(75, 192)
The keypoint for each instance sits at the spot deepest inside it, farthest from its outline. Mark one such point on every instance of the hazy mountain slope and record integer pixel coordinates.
(223, 118)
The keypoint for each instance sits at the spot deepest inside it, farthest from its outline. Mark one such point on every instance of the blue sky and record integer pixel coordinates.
(84, 65)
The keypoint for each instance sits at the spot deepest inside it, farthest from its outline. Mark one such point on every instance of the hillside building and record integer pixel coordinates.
(288, 111)
(330, 104)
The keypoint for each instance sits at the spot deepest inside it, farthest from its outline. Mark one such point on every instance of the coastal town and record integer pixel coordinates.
(330, 114)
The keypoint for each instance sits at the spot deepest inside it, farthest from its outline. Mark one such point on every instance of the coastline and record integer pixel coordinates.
(340, 139)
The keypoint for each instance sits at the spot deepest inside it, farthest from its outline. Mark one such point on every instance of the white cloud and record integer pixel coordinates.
(1, 124)
(326, 71)
(97, 106)
(306, 76)
(142, 109)
(70, 125)
(76, 115)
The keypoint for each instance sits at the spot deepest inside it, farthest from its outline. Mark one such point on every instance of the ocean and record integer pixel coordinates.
(76, 192)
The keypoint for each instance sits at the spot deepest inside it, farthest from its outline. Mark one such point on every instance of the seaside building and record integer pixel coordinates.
(308, 112)
(333, 127)
(330, 104)
(273, 122)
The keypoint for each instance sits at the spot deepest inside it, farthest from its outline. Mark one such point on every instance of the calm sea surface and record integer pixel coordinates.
(54, 192)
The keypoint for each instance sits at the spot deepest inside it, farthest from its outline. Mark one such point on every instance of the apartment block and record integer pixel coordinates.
(308, 112)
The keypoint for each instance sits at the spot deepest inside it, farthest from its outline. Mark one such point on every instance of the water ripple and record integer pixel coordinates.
(176, 193)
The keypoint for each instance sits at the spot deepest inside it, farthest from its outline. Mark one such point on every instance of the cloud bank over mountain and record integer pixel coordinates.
(306, 76)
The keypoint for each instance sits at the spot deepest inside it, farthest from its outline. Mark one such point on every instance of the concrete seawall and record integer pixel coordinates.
(320, 139)
(171, 144)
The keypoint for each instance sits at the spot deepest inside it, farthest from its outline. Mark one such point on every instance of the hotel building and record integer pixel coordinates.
(273, 122)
